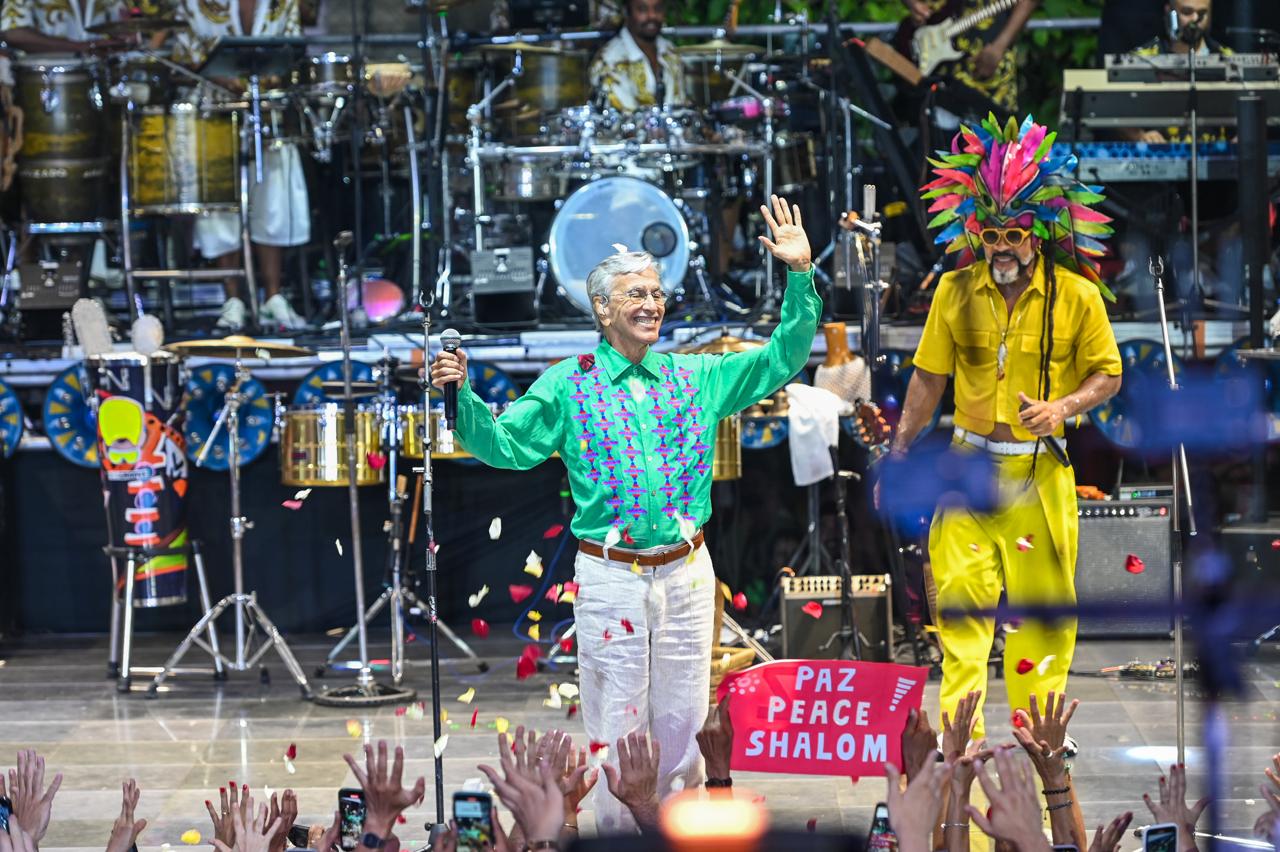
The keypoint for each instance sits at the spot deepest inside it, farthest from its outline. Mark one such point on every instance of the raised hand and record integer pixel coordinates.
(1173, 805)
(17, 840)
(790, 244)
(956, 735)
(125, 831)
(576, 776)
(1107, 839)
(919, 743)
(1015, 805)
(32, 804)
(538, 806)
(715, 740)
(634, 781)
(251, 836)
(284, 808)
(1043, 736)
(913, 813)
(385, 796)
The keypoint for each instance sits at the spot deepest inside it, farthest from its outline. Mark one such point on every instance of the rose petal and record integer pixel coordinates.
(377, 461)
(440, 744)
(495, 529)
(535, 632)
(739, 601)
(338, 544)
(626, 625)
(597, 746)
(1045, 663)
(480, 627)
(1025, 665)
(535, 616)
(553, 701)
(573, 711)
(293, 505)
(811, 826)
(525, 668)
(302, 494)
(519, 593)
(534, 568)
(1024, 543)
(566, 645)
(354, 728)
(292, 752)
(553, 593)
(568, 690)
(635, 567)
(553, 531)
(607, 636)
(812, 608)
(1134, 564)
(474, 715)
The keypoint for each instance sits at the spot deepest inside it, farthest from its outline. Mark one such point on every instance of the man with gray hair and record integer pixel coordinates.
(636, 430)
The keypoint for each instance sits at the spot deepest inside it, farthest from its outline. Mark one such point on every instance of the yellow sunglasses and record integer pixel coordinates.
(1013, 236)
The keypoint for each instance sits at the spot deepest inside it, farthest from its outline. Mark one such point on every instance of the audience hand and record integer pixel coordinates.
(31, 805)
(251, 836)
(1015, 805)
(124, 833)
(919, 743)
(634, 781)
(1173, 806)
(715, 740)
(17, 840)
(913, 813)
(330, 836)
(537, 806)
(385, 797)
(284, 808)
(1043, 737)
(955, 737)
(576, 776)
(1107, 838)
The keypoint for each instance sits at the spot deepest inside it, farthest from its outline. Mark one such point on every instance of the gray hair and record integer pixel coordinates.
(600, 281)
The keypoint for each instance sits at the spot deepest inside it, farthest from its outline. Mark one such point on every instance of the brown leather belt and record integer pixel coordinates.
(653, 560)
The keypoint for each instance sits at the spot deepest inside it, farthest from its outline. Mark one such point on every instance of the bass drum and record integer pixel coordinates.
(70, 419)
(206, 395)
(622, 210)
(10, 421)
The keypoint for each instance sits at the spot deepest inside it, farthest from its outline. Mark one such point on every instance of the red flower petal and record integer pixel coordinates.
(566, 645)
(553, 531)
(474, 713)
(1025, 665)
(596, 745)
(626, 625)
(525, 667)
(292, 753)
(812, 608)
(519, 593)
(811, 826)
(402, 819)
(739, 601)
(531, 651)
(573, 711)
(377, 461)
(480, 627)
(607, 636)
(553, 593)
(586, 362)
(295, 505)
(571, 586)
(400, 711)
(626, 535)
(1134, 565)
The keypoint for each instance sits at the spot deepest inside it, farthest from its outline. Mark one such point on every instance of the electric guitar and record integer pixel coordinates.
(930, 44)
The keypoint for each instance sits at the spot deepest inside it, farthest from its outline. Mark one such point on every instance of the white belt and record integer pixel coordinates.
(999, 448)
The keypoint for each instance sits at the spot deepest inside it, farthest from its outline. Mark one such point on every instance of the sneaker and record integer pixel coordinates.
(278, 311)
(232, 316)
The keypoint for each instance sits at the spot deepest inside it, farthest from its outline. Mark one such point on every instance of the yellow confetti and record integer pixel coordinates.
(568, 690)
(724, 590)
(466, 697)
(501, 724)
(697, 583)
(441, 743)
(534, 569)
(354, 728)
(534, 633)
(635, 567)
(692, 556)
(191, 837)
(568, 597)
(535, 616)
(444, 716)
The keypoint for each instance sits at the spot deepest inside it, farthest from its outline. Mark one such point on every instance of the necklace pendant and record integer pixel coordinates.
(1001, 354)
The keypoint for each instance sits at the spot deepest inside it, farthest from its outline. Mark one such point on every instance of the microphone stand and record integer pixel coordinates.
(1182, 507)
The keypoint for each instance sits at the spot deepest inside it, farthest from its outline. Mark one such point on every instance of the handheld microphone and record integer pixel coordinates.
(1051, 444)
(450, 340)
(1174, 28)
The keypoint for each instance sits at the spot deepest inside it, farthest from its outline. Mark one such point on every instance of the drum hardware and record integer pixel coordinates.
(245, 604)
(767, 102)
(474, 113)
(366, 691)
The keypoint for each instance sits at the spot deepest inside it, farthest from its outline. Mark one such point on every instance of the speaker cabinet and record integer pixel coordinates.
(1111, 532)
(807, 638)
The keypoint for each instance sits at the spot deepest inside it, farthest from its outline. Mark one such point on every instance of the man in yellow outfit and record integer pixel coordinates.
(1022, 326)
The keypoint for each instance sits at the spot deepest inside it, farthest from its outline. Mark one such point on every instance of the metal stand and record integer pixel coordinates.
(1183, 508)
(245, 603)
(120, 656)
(366, 691)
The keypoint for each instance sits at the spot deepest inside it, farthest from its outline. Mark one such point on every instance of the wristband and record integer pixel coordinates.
(1057, 792)
(570, 826)
(1068, 803)
(711, 783)
(372, 841)
(962, 825)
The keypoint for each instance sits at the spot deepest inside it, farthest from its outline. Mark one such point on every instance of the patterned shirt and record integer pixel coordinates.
(1002, 86)
(69, 19)
(211, 20)
(623, 73)
(638, 439)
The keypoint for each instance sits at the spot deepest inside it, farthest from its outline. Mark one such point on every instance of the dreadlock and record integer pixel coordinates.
(1044, 385)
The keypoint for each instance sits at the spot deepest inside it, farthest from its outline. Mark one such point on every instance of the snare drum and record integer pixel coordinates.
(526, 177)
(182, 161)
(795, 163)
(313, 446)
(144, 466)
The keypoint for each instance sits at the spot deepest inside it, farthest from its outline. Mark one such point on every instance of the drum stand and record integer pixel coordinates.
(245, 603)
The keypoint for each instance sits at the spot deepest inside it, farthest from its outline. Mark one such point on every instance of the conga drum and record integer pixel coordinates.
(142, 455)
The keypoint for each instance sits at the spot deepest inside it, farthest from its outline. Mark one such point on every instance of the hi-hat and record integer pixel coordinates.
(715, 49)
(238, 346)
(726, 343)
(528, 47)
(135, 26)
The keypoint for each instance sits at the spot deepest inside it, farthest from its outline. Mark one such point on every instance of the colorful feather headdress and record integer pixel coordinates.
(996, 176)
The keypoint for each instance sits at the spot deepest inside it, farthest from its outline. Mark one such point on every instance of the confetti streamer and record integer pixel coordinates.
(1044, 664)
(1024, 543)
(495, 529)
(441, 744)
(812, 608)
(1025, 665)
(535, 632)
(467, 696)
(501, 724)
(292, 505)
(553, 531)
(480, 628)
(519, 593)
(354, 729)
(568, 690)
(739, 601)
(475, 599)
(1134, 564)
(191, 837)
(626, 625)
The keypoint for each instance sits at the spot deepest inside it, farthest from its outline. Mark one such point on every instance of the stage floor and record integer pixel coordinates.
(185, 743)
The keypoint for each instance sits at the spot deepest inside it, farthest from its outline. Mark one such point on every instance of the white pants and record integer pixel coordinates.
(279, 209)
(655, 679)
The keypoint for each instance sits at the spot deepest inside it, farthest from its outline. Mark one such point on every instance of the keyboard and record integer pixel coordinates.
(1132, 162)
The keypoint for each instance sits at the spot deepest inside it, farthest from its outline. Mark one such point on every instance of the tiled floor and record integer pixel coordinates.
(182, 745)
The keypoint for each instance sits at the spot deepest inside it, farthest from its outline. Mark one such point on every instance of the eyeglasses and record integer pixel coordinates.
(638, 296)
(1013, 236)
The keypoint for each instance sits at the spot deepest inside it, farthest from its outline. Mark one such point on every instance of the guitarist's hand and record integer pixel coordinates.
(919, 10)
(986, 62)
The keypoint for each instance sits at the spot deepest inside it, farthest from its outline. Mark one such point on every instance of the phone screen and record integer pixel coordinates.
(882, 836)
(1160, 838)
(351, 812)
(6, 808)
(473, 814)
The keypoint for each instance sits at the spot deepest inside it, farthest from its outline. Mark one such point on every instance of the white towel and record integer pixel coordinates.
(814, 421)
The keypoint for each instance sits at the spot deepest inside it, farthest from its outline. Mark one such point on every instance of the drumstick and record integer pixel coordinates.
(417, 505)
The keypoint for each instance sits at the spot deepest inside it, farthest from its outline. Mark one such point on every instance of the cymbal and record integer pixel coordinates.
(1259, 354)
(132, 26)
(359, 390)
(714, 49)
(528, 47)
(237, 346)
(726, 343)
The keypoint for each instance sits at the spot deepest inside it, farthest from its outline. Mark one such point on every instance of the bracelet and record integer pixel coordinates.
(571, 826)
(1057, 792)
(1068, 803)
(962, 825)
(711, 783)
(544, 844)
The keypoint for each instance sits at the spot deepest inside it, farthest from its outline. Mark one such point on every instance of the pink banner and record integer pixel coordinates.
(821, 717)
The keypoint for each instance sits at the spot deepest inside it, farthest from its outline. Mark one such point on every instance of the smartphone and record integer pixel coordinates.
(1160, 838)
(473, 812)
(6, 808)
(299, 835)
(351, 814)
(882, 836)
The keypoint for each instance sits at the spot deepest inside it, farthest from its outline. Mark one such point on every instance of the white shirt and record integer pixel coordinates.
(622, 71)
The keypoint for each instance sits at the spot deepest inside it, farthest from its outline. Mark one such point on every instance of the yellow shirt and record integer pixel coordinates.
(963, 332)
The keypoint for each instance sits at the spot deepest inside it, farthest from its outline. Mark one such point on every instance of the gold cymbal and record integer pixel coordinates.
(529, 47)
(715, 48)
(359, 390)
(130, 26)
(726, 343)
(237, 346)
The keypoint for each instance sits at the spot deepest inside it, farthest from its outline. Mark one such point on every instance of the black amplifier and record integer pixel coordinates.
(1126, 557)
(815, 635)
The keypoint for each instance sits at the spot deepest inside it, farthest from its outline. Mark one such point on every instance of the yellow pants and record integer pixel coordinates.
(1028, 548)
